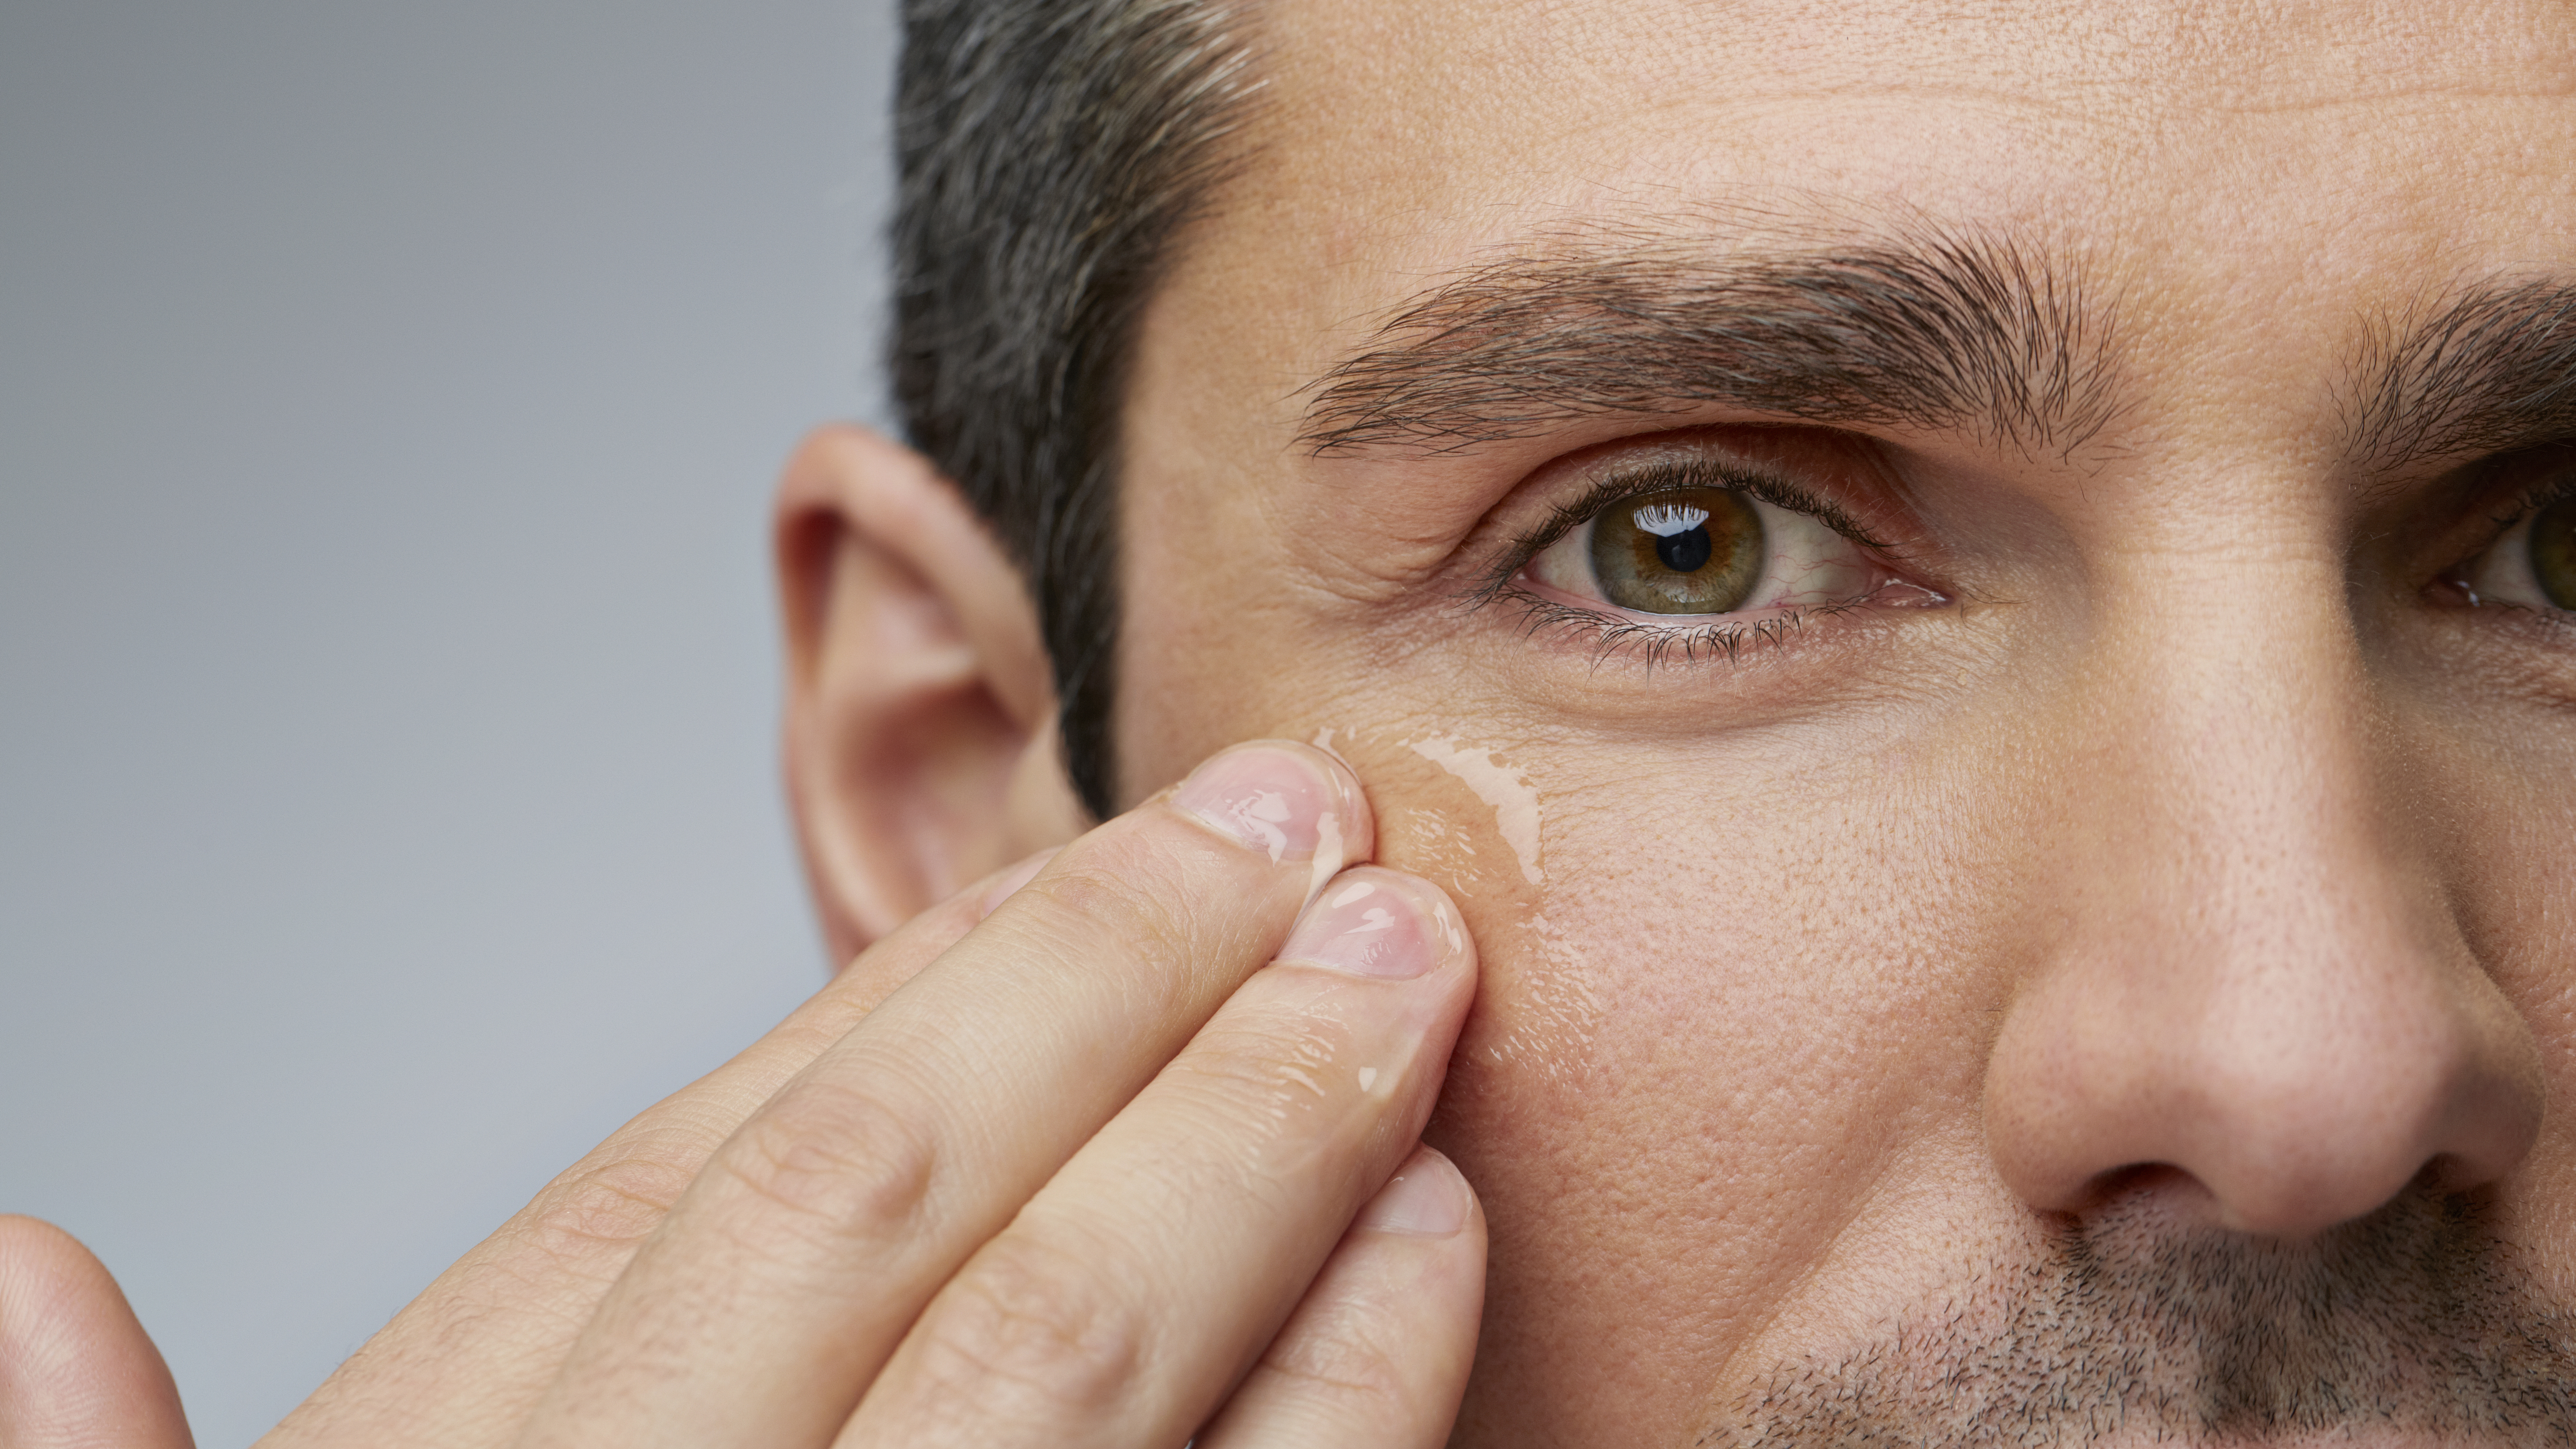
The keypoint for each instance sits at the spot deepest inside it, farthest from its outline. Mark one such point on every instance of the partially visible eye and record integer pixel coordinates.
(2533, 564)
(1705, 551)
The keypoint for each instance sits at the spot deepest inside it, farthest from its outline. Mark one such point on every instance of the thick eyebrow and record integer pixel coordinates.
(2491, 369)
(1942, 331)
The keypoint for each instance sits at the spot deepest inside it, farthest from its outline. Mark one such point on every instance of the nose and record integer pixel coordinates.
(2248, 979)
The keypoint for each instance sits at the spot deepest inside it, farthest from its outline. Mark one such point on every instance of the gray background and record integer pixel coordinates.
(389, 398)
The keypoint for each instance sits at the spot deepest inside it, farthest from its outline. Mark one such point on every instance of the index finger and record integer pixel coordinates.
(765, 1303)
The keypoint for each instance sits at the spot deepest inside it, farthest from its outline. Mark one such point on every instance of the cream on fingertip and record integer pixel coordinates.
(1374, 922)
(1280, 802)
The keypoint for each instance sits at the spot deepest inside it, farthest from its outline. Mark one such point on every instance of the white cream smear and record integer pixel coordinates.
(1328, 854)
(1328, 832)
(1262, 815)
(1505, 788)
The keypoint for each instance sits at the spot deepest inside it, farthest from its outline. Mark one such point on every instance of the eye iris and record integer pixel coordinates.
(1689, 551)
(2553, 552)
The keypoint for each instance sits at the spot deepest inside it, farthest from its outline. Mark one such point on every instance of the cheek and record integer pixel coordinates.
(1738, 986)
(1751, 997)
(2494, 793)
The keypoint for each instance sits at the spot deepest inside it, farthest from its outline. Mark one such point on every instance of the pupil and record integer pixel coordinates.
(1684, 552)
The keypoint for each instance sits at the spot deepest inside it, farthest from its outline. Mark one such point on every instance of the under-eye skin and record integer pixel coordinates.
(1689, 556)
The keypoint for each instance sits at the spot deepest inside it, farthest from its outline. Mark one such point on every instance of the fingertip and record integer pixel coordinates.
(1286, 798)
(1372, 921)
(1395, 918)
(45, 1274)
(1428, 1197)
(76, 1367)
(1359, 824)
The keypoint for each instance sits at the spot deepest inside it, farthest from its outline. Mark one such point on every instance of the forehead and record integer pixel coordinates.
(1431, 94)
(2195, 155)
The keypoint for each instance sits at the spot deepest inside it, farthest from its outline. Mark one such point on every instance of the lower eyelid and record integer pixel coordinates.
(1538, 591)
(1709, 638)
(1664, 638)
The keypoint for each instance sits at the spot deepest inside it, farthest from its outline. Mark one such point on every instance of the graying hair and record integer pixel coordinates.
(1050, 153)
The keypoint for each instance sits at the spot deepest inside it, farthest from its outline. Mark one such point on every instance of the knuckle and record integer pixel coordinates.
(1160, 887)
(839, 1161)
(1260, 1065)
(1035, 1329)
(1351, 1357)
(1136, 895)
(591, 1221)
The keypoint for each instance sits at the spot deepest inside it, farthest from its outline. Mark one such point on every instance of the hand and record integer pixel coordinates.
(1092, 1174)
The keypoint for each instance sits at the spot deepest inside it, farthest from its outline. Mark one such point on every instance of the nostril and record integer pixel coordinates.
(2255, 1088)
(2449, 1174)
(2158, 1188)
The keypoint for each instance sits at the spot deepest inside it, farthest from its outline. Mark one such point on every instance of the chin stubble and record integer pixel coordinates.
(2410, 1321)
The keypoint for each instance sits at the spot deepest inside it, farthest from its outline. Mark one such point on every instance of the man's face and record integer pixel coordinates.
(1939, 585)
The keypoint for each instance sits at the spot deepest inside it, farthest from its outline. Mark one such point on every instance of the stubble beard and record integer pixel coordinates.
(2411, 1324)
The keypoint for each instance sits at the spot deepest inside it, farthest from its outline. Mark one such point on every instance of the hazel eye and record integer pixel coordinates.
(1704, 551)
(2532, 565)
(1691, 551)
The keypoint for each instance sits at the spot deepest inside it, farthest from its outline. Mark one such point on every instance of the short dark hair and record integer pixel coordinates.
(1049, 151)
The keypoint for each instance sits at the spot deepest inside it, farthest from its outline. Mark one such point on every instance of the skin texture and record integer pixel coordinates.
(2196, 860)
(2108, 981)
(75, 1369)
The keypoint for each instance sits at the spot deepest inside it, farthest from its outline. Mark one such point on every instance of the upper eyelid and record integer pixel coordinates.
(1618, 485)
(1715, 635)
(2501, 500)
(2555, 488)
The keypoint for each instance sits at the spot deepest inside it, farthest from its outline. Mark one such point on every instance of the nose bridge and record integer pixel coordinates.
(2253, 977)
(2234, 770)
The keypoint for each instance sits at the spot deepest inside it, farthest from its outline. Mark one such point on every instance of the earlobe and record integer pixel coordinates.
(920, 730)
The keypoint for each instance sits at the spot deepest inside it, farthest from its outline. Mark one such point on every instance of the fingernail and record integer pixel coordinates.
(1275, 801)
(1019, 876)
(1373, 922)
(1427, 1198)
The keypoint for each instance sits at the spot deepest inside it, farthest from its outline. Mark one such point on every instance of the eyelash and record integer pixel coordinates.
(1655, 643)
(2545, 495)
(2558, 487)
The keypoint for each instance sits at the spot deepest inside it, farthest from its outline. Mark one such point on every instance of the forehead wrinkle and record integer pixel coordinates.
(2488, 367)
(1934, 328)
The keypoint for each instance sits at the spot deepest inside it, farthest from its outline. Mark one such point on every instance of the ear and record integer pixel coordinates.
(921, 735)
